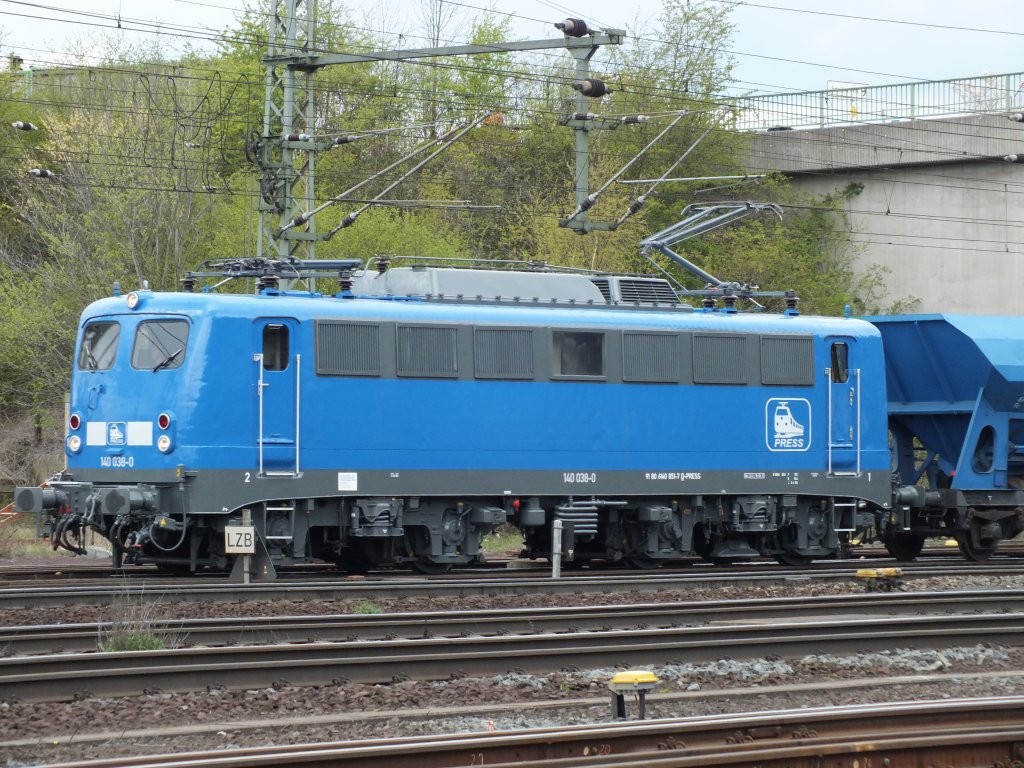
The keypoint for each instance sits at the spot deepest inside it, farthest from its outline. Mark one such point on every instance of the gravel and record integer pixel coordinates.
(104, 727)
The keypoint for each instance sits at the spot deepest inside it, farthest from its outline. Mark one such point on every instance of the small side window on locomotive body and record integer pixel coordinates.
(99, 346)
(840, 363)
(160, 345)
(275, 347)
(578, 353)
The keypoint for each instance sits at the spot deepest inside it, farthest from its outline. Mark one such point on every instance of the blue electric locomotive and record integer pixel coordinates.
(406, 416)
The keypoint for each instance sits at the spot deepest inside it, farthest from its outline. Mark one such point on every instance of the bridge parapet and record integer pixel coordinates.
(854, 104)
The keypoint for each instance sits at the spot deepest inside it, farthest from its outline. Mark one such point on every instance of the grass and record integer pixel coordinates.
(131, 641)
(506, 538)
(133, 625)
(18, 540)
(367, 606)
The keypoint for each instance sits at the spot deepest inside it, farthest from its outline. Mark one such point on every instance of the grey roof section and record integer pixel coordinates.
(508, 285)
(472, 283)
(900, 143)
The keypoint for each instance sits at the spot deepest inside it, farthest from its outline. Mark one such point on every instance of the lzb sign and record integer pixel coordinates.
(240, 540)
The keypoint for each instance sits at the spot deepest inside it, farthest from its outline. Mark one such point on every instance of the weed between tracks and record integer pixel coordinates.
(136, 625)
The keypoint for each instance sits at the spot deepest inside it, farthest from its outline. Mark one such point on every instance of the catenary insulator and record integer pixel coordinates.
(573, 27)
(592, 87)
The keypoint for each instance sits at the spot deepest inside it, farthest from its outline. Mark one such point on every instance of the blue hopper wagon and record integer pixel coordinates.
(956, 411)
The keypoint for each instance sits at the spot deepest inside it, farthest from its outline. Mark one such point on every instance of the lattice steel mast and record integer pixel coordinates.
(286, 150)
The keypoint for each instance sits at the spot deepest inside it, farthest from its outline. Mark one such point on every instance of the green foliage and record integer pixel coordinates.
(368, 607)
(131, 641)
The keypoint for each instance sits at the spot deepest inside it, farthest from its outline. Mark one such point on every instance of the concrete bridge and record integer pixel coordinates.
(941, 208)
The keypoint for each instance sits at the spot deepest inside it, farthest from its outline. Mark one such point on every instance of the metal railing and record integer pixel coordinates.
(852, 103)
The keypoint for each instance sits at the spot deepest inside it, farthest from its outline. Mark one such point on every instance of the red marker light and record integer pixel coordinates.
(163, 421)
(75, 421)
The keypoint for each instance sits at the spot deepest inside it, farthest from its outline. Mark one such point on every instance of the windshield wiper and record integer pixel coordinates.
(167, 360)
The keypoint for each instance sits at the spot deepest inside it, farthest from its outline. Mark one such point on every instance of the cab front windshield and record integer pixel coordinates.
(160, 344)
(99, 346)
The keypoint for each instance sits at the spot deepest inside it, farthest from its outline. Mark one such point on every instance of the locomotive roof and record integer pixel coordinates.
(511, 311)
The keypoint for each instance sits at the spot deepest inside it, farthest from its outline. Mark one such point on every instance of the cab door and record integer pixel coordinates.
(278, 372)
(843, 408)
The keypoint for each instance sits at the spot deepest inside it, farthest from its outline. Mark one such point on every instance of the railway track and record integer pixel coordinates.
(397, 586)
(253, 630)
(61, 677)
(70, 570)
(955, 732)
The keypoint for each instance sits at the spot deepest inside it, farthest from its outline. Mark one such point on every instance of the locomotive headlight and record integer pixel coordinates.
(163, 444)
(74, 444)
(133, 300)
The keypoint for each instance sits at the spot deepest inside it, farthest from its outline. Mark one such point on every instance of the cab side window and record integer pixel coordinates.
(840, 362)
(99, 346)
(160, 344)
(275, 347)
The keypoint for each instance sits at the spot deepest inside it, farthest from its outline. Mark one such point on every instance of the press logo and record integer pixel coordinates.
(788, 424)
(116, 431)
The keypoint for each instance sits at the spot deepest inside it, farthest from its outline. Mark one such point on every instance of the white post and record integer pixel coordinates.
(246, 559)
(556, 549)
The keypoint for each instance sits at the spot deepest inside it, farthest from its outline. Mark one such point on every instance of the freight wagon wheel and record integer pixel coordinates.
(903, 546)
(987, 536)
(973, 552)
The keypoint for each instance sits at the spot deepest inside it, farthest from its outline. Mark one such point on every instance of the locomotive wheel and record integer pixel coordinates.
(641, 563)
(702, 546)
(430, 568)
(903, 546)
(174, 569)
(792, 558)
(571, 565)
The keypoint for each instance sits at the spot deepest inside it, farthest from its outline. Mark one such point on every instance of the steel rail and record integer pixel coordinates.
(60, 677)
(376, 587)
(254, 630)
(951, 732)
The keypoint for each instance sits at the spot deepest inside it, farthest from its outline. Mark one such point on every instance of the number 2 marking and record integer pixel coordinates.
(247, 477)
